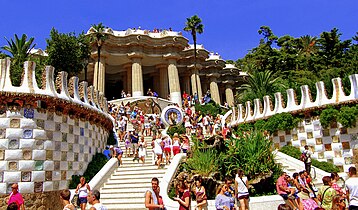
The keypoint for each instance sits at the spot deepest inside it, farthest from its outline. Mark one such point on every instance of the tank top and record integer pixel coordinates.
(82, 191)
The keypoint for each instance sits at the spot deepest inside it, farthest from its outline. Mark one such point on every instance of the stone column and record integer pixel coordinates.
(137, 77)
(99, 76)
(174, 85)
(186, 85)
(128, 80)
(229, 95)
(214, 88)
(194, 87)
(163, 80)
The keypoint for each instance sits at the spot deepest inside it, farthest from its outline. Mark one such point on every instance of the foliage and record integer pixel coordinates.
(327, 116)
(20, 51)
(203, 162)
(296, 153)
(180, 129)
(298, 61)
(347, 116)
(68, 52)
(111, 140)
(211, 108)
(98, 36)
(282, 121)
(98, 161)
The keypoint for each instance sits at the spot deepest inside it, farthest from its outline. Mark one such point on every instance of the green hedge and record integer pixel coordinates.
(211, 108)
(296, 153)
(111, 140)
(98, 161)
(180, 129)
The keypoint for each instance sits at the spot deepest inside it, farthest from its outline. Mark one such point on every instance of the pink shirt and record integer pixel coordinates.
(17, 198)
(281, 182)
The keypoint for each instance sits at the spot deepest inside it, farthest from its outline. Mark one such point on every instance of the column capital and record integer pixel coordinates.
(171, 56)
(198, 67)
(228, 83)
(135, 55)
(213, 75)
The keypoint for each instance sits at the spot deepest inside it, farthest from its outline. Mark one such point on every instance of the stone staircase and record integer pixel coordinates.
(126, 188)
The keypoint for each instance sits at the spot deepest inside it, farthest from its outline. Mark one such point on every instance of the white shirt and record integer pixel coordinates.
(352, 187)
(99, 206)
(241, 185)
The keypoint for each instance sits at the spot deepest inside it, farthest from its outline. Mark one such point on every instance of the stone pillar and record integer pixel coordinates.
(174, 85)
(229, 95)
(186, 85)
(99, 76)
(137, 77)
(195, 74)
(214, 89)
(128, 80)
(163, 80)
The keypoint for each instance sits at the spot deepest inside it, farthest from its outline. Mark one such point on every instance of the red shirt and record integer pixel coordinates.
(185, 195)
(17, 198)
(281, 182)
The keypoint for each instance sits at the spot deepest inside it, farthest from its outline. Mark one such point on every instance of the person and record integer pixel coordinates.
(82, 189)
(134, 139)
(308, 159)
(241, 185)
(335, 178)
(284, 207)
(224, 131)
(352, 188)
(222, 202)
(185, 146)
(176, 144)
(326, 193)
(16, 197)
(128, 143)
(65, 197)
(118, 153)
(230, 192)
(167, 148)
(200, 194)
(305, 202)
(183, 196)
(107, 153)
(93, 199)
(151, 199)
(157, 144)
(142, 151)
(12, 206)
(283, 190)
(338, 203)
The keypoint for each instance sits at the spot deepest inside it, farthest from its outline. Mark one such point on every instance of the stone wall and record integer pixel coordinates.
(50, 133)
(37, 201)
(335, 144)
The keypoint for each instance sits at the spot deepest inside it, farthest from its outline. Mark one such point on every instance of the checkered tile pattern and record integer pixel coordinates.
(42, 152)
(335, 144)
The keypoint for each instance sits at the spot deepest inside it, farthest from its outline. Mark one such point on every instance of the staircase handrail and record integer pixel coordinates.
(101, 177)
(295, 162)
(168, 178)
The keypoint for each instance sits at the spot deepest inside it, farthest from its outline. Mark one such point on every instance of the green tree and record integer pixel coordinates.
(259, 84)
(98, 36)
(67, 52)
(20, 51)
(194, 26)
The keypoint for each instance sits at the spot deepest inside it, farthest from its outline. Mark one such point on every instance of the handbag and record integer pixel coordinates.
(75, 200)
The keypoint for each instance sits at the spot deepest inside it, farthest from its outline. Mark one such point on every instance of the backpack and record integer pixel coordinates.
(303, 157)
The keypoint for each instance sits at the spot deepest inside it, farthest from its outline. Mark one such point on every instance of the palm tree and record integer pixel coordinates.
(260, 84)
(20, 51)
(98, 36)
(194, 25)
(307, 45)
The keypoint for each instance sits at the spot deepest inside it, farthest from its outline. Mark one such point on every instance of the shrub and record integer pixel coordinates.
(210, 108)
(180, 129)
(296, 153)
(347, 116)
(282, 121)
(203, 162)
(327, 116)
(98, 161)
(111, 140)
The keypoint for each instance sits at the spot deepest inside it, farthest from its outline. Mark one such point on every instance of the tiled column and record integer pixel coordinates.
(137, 77)
(174, 85)
(229, 95)
(214, 89)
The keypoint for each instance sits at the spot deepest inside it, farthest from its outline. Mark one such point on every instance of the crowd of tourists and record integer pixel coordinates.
(299, 192)
(233, 194)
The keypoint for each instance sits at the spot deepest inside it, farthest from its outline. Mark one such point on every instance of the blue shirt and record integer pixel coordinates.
(107, 153)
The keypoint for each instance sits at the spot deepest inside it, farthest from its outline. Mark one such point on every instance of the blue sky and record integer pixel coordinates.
(230, 26)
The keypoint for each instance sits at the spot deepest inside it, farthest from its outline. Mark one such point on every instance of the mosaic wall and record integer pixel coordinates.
(42, 151)
(335, 144)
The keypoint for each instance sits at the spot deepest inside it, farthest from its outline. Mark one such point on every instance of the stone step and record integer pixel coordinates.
(131, 176)
(123, 195)
(131, 181)
(138, 167)
(126, 185)
(123, 201)
(135, 172)
(119, 191)
(125, 207)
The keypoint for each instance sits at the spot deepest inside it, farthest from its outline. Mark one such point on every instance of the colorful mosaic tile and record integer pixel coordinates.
(57, 165)
(49, 154)
(63, 175)
(337, 154)
(309, 135)
(82, 131)
(26, 176)
(346, 145)
(29, 113)
(63, 156)
(2, 154)
(326, 132)
(343, 130)
(50, 116)
(64, 137)
(39, 165)
(70, 129)
(1, 176)
(328, 147)
(27, 154)
(303, 142)
(318, 141)
(320, 155)
(49, 134)
(64, 119)
(13, 166)
(27, 134)
(335, 139)
(38, 187)
(39, 144)
(15, 123)
(13, 144)
(48, 175)
(2, 133)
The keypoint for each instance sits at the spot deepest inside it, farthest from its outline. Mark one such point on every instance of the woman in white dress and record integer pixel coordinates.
(142, 149)
(158, 149)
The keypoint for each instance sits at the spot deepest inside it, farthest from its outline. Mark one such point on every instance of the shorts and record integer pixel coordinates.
(243, 196)
(284, 196)
(176, 150)
(167, 149)
(135, 146)
(83, 200)
(122, 128)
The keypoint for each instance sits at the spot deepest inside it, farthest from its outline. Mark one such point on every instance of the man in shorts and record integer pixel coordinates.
(283, 190)
(135, 138)
(352, 188)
